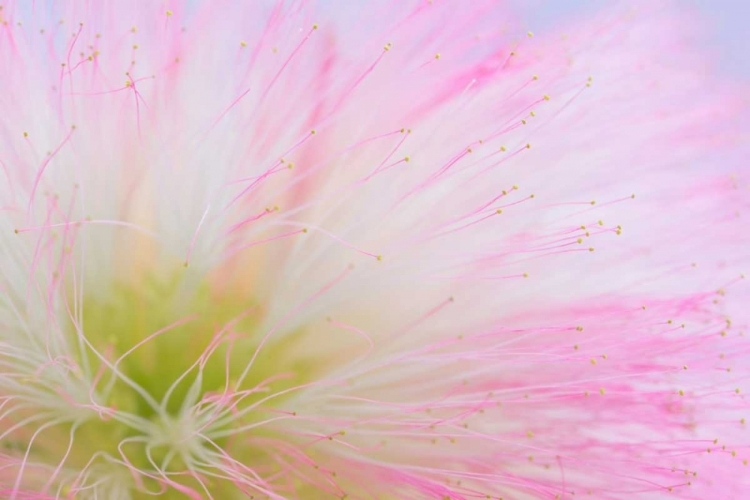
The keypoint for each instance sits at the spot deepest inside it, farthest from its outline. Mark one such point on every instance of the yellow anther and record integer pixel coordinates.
(529, 34)
(169, 13)
(243, 43)
(437, 56)
(546, 97)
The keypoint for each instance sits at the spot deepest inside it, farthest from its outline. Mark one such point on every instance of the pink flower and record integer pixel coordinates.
(392, 250)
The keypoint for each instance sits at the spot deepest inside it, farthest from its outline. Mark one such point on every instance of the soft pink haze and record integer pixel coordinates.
(381, 250)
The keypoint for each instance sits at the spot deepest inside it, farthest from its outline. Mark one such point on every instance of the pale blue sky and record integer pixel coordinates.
(728, 22)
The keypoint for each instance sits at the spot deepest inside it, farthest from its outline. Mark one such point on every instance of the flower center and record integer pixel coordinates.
(161, 338)
(180, 374)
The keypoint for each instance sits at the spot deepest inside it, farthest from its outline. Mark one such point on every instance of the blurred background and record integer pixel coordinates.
(728, 23)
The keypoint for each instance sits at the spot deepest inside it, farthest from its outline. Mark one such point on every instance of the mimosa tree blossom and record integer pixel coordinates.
(369, 250)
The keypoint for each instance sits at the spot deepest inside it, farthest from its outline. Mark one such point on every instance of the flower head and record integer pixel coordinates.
(268, 250)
